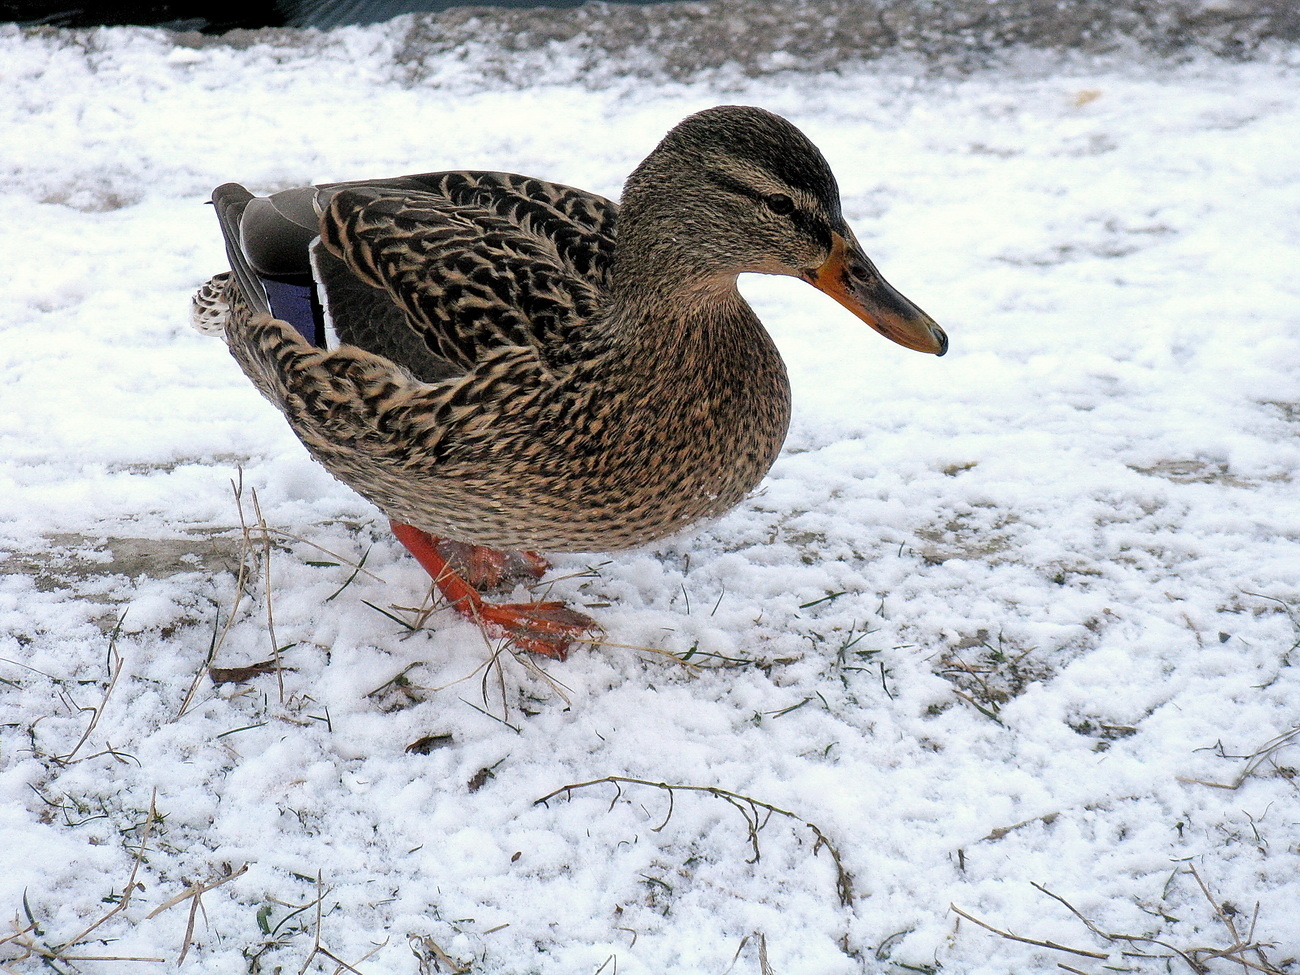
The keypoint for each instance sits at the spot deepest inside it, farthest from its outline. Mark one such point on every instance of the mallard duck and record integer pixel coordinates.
(501, 363)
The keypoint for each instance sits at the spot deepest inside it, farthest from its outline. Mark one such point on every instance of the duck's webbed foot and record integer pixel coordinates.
(459, 570)
(488, 569)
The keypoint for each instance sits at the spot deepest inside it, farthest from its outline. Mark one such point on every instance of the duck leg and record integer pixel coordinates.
(545, 628)
(490, 568)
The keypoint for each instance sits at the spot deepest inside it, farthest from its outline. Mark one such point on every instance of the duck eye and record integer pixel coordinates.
(780, 204)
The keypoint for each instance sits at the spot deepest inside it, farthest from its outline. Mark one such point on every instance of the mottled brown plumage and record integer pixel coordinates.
(523, 365)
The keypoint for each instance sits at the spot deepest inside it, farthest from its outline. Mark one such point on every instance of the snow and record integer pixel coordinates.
(994, 620)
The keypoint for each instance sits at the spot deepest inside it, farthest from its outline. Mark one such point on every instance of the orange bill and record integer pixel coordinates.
(850, 278)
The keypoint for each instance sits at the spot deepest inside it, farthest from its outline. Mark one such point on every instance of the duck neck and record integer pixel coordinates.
(662, 283)
(666, 318)
(675, 308)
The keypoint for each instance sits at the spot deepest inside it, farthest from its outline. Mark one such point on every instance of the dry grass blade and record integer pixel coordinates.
(1083, 953)
(266, 580)
(345, 966)
(1253, 760)
(492, 666)
(988, 713)
(264, 535)
(241, 580)
(19, 933)
(241, 675)
(1239, 944)
(1047, 819)
(432, 958)
(265, 532)
(1286, 608)
(131, 885)
(316, 946)
(763, 967)
(1110, 937)
(749, 808)
(115, 671)
(666, 655)
(1194, 958)
(358, 568)
(204, 668)
(319, 949)
(196, 892)
(52, 954)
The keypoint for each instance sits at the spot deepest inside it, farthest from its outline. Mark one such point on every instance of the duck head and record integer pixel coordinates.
(735, 189)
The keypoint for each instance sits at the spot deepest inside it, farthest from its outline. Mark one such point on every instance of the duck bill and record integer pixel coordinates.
(850, 278)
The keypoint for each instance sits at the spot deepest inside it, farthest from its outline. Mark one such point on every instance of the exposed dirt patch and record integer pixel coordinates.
(69, 558)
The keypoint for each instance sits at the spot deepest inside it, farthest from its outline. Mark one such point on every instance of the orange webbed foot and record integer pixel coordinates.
(459, 570)
(489, 568)
(545, 628)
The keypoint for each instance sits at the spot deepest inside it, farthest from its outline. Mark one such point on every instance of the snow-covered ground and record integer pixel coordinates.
(993, 627)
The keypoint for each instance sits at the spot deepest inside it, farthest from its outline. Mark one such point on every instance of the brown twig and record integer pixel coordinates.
(748, 808)
(1110, 936)
(1028, 941)
(1193, 957)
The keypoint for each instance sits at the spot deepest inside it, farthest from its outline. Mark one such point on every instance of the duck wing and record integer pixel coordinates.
(460, 301)
(433, 272)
